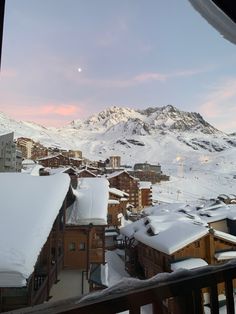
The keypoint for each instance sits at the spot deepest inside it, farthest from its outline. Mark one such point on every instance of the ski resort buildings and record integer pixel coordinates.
(10, 157)
(86, 220)
(178, 236)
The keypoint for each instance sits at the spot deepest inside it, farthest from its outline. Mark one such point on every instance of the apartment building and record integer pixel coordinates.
(10, 158)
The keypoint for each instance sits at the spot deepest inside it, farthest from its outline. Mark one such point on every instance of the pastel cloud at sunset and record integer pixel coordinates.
(8, 73)
(219, 105)
(48, 115)
(62, 110)
(150, 77)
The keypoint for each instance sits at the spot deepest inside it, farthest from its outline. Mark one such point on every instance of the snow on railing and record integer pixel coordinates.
(180, 291)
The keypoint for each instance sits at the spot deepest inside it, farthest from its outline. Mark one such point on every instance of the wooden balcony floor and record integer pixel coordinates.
(69, 286)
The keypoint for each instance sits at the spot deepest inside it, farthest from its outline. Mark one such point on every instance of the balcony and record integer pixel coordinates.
(179, 292)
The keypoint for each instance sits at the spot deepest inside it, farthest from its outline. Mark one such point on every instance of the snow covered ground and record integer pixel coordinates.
(195, 176)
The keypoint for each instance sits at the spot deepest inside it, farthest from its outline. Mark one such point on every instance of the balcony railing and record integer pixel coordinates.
(180, 292)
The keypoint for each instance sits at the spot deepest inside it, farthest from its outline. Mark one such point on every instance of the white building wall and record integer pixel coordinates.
(7, 153)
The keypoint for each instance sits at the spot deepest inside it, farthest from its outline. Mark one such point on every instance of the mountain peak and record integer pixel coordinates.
(131, 132)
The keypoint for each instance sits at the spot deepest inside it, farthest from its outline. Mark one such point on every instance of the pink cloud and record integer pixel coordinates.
(62, 110)
(8, 73)
(219, 105)
(143, 77)
(50, 115)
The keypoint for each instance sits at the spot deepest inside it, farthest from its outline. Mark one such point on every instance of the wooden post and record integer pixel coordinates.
(210, 248)
(49, 264)
(56, 245)
(229, 292)
(88, 249)
(63, 230)
(30, 290)
(103, 245)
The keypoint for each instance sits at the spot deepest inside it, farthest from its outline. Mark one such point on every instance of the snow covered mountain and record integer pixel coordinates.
(153, 134)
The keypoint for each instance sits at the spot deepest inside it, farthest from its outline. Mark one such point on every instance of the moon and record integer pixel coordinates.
(79, 70)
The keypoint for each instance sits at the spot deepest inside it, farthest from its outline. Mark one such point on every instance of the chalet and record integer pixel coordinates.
(123, 181)
(31, 231)
(93, 169)
(59, 160)
(75, 161)
(145, 194)
(85, 173)
(73, 153)
(177, 239)
(116, 206)
(86, 220)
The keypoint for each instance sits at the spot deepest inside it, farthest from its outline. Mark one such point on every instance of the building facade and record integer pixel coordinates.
(10, 159)
(123, 181)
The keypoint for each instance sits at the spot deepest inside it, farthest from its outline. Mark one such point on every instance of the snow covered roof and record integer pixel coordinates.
(59, 170)
(49, 157)
(91, 202)
(35, 170)
(232, 212)
(118, 192)
(220, 256)
(225, 236)
(76, 158)
(86, 170)
(113, 202)
(28, 162)
(207, 211)
(117, 173)
(130, 229)
(144, 185)
(29, 207)
(189, 263)
(178, 235)
(169, 227)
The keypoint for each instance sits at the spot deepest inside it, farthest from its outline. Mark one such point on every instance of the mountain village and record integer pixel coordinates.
(80, 224)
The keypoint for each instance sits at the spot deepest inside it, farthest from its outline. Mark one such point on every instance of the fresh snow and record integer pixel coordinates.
(189, 150)
(189, 263)
(225, 255)
(91, 202)
(144, 185)
(178, 235)
(29, 208)
(115, 269)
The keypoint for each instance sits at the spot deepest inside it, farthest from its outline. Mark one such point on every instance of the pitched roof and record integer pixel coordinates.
(91, 202)
(117, 173)
(29, 207)
(118, 192)
(175, 237)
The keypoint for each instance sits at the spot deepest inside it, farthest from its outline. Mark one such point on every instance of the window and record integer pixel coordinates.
(197, 244)
(72, 246)
(82, 246)
(109, 218)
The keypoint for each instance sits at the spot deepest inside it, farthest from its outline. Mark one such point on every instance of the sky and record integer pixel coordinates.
(64, 60)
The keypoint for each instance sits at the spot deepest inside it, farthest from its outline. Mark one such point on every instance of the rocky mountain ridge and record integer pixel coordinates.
(148, 134)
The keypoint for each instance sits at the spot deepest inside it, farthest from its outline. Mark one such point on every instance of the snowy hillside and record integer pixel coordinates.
(195, 176)
(153, 134)
(199, 158)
